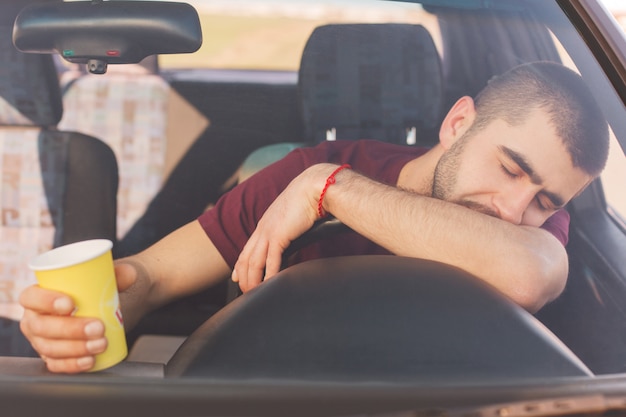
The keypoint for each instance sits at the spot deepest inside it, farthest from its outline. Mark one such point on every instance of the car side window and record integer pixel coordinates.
(614, 175)
(614, 181)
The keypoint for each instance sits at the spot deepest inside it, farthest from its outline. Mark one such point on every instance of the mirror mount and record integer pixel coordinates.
(96, 66)
(99, 33)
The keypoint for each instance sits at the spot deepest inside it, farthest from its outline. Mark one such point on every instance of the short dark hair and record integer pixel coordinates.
(574, 113)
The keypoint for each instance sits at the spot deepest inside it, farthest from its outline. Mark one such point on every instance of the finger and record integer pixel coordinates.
(258, 265)
(68, 349)
(70, 366)
(255, 266)
(274, 261)
(60, 327)
(46, 301)
(241, 266)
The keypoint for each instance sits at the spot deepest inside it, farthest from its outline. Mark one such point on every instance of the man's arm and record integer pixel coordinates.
(527, 264)
(181, 263)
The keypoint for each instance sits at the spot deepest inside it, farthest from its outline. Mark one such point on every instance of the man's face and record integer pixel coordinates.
(521, 174)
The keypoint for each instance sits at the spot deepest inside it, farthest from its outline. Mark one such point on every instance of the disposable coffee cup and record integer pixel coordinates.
(84, 271)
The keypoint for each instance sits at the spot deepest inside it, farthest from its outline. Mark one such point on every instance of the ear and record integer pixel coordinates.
(457, 121)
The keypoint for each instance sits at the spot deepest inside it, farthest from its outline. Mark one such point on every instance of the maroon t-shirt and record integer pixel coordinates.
(233, 219)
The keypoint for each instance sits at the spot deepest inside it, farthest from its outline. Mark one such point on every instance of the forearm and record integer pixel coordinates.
(528, 264)
(180, 264)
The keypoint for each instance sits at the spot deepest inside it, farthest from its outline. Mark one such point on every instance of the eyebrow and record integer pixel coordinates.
(525, 166)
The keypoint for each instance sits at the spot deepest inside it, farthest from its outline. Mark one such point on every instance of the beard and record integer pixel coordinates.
(445, 179)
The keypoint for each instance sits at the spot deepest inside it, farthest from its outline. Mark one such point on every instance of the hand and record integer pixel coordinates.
(66, 343)
(292, 213)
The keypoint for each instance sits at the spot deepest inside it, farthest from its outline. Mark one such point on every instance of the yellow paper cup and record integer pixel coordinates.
(84, 271)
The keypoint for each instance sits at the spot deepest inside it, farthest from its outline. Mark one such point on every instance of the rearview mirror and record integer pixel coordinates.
(98, 33)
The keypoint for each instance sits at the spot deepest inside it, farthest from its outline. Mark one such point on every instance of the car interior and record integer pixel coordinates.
(133, 154)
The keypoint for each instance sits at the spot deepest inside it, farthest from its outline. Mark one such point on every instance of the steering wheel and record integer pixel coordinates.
(373, 318)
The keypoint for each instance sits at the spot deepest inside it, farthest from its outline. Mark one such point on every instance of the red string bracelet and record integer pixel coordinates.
(329, 181)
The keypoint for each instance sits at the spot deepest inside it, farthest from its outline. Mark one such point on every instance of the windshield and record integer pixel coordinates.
(180, 130)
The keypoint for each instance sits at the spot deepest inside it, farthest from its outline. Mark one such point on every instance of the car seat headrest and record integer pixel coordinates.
(29, 86)
(375, 81)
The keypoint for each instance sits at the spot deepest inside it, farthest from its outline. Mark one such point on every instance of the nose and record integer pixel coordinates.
(512, 205)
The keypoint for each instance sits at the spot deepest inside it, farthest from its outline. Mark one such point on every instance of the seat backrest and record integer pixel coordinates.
(55, 187)
(148, 125)
(365, 81)
(127, 108)
(371, 81)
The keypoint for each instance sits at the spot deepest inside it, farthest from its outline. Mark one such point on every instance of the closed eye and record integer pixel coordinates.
(508, 172)
(540, 204)
(545, 204)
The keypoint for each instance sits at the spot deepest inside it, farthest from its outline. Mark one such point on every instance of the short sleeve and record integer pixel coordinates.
(558, 225)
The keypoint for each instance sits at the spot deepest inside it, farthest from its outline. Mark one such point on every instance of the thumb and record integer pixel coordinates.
(125, 274)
